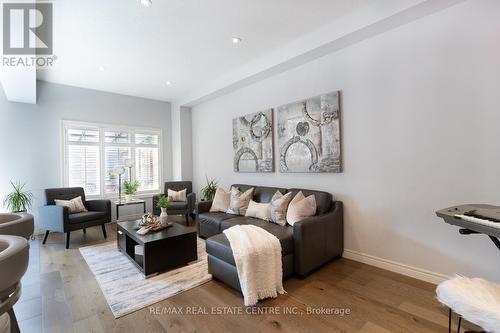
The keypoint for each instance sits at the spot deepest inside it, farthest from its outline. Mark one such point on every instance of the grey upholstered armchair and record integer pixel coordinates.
(178, 208)
(58, 218)
(17, 224)
(14, 259)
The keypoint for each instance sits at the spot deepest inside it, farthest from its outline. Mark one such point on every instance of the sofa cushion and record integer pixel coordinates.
(86, 217)
(323, 199)
(259, 210)
(210, 223)
(301, 208)
(218, 245)
(177, 196)
(261, 193)
(283, 233)
(241, 220)
(178, 206)
(239, 202)
(221, 201)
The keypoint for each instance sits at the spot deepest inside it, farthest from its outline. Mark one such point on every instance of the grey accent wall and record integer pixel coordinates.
(420, 128)
(30, 135)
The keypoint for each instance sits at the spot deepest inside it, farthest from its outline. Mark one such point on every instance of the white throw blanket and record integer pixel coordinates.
(257, 254)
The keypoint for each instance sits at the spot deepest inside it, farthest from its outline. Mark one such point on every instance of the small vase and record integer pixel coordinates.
(164, 216)
(128, 197)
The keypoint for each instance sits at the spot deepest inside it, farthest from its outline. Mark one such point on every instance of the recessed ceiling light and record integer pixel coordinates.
(145, 3)
(102, 68)
(168, 83)
(236, 40)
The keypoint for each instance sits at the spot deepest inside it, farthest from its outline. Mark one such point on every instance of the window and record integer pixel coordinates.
(92, 151)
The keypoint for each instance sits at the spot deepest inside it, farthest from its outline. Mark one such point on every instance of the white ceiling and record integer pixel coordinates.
(187, 42)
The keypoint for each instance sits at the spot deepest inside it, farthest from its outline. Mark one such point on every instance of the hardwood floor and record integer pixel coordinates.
(60, 294)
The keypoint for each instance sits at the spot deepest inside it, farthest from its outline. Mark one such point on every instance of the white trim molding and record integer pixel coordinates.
(393, 266)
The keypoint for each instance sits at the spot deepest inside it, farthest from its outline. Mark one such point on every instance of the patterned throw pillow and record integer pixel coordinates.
(279, 207)
(301, 208)
(239, 201)
(177, 196)
(221, 201)
(259, 210)
(74, 205)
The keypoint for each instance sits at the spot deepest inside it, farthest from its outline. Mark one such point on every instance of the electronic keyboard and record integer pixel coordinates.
(474, 219)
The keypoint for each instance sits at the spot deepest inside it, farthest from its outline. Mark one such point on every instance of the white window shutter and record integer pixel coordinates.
(84, 168)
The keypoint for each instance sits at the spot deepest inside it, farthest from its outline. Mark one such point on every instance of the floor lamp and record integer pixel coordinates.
(119, 172)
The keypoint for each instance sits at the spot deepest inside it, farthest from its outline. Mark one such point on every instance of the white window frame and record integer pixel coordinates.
(102, 128)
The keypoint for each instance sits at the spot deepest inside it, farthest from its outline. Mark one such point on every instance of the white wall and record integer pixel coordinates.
(420, 128)
(30, 135)
(182, 155)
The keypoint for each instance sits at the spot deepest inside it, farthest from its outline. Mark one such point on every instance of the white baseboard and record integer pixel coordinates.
(414, 272)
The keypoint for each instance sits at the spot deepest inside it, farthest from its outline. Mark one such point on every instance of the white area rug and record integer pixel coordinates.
(124, 286)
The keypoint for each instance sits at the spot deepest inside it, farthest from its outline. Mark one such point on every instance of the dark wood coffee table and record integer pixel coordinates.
(157, 251)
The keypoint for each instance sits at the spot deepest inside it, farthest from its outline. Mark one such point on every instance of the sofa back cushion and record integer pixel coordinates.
(323, 199)
(261, 194)
(67, 193)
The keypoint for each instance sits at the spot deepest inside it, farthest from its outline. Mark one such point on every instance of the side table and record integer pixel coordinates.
(119, 204)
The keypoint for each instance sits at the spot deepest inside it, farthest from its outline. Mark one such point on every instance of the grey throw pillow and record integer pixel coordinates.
(74, 205)
(279, 207)
(239, 201)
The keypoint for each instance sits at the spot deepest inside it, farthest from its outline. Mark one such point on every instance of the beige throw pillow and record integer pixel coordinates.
(221, 201)
(177, 196)
(259, 210)
(74, 205)
(279, 207)
(239, 201)
(301, 208)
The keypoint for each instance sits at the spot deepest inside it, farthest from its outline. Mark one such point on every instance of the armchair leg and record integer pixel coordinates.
(45, 237)
(104, 231)
(84, 231)
(187, 220)
(67, 239)
(13, 321)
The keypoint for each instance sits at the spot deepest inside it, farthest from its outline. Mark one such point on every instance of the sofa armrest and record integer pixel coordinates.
(53, 218)
(191, 201)
(318, 239)
(100, 206)
(203, 207)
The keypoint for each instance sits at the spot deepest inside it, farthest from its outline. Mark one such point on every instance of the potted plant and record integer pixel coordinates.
(208, 192)
(19, 200)
(163, 204)
(131, 188)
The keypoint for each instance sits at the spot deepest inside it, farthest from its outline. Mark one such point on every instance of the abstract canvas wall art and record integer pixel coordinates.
(309, 135)
(253, 142)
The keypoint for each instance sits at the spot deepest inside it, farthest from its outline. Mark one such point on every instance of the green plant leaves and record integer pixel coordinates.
(131, 187)
(209, 190)
(163, 202)
(19, 199)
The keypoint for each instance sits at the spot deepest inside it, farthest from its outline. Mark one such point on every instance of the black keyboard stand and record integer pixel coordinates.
(496, 241)
(464, 231)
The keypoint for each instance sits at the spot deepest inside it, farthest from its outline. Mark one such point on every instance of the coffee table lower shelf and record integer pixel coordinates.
(159, 251)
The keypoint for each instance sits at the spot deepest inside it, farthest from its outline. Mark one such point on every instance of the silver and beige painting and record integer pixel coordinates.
(253, 142)
(309, 135)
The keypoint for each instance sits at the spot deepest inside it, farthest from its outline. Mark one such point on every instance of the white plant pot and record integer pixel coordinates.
(128, 197)
(164, 216)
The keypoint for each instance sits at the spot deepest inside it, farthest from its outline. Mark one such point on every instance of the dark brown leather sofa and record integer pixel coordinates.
(306, 246)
